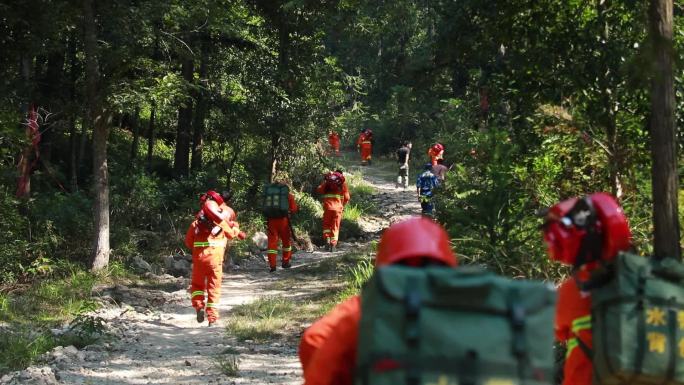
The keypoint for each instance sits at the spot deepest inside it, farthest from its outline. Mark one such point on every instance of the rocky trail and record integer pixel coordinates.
(158, 341)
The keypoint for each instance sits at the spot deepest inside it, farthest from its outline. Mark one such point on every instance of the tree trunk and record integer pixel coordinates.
(181, 162)
(663, 133)
(73, 133)
(200, 111)
(135, 126)
(73, 165)
(98, 120)
(150, 137)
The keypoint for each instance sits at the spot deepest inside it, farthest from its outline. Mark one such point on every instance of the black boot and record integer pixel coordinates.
(286, 265)
(273, 268)
(200, 315)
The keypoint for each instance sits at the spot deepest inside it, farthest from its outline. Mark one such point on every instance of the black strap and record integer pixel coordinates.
(672, 334)
(641, 326)
(516, 318)
(412, 304)
(584, 347)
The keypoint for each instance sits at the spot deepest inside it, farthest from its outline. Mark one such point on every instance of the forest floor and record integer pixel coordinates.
(156, 339)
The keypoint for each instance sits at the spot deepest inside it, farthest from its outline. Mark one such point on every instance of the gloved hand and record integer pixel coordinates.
(216, 230)
(242, 235)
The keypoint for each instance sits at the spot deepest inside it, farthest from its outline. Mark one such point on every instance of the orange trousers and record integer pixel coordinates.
(366, 150)
(278, 229)
(206, 277)
(331, 225)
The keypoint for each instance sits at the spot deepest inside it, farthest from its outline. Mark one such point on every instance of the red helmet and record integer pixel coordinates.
(438, 147)
(582, 230)
(415, 238)
(211, 211)
(215, 196)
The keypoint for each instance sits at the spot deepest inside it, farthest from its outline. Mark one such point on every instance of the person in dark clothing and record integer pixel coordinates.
(403, 155)
(440, 170)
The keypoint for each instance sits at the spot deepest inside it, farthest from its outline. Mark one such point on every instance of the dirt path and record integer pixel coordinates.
(159, 341)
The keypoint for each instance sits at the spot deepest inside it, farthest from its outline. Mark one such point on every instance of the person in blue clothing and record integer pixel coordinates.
(425, 186)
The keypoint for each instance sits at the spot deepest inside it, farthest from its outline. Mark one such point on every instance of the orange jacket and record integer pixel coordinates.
(334, 199)
(573, 320)
(363, 141)
(328, 347)
(334, 139)
(204, 245)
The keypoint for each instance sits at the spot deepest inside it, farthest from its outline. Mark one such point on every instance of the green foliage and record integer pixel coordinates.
(261, 320)
(228, 363)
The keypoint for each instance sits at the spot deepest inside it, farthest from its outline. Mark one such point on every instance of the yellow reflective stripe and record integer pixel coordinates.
(210, 243)
(289, 248)
(327, 231)
(212, 304)
(271, 251)
(572, 344)
(197, 292)
(581, 323)
(366, 142)
(338, 196)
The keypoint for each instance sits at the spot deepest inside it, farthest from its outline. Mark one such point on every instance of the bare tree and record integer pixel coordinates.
(99, 121)
(663, 133)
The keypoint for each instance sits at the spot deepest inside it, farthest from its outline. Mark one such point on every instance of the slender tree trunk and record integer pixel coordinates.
(181, 162)
(98, 120)
(73, 133)
(200, 111)
(663, 133)
(135, 125)
(73, 165)
(83, 138)
(150, 137)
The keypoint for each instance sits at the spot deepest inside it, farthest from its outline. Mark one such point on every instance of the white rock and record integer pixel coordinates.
(141, 265)
(260, 239)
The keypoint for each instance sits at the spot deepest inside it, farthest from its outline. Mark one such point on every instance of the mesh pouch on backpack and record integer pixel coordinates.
(275, 203)
(638, 322)
(438, 325)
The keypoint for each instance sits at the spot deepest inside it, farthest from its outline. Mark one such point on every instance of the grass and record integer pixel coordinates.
(228, 362)
(30, 311)
(264, 319)
(272, 318)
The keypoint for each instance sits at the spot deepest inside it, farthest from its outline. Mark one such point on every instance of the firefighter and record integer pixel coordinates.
(334, 140)
(328, 347)
(279, 229)
(436, 152)
(226, 212)
(207, 237)
(335, 195)
(364, 145)
(582, 233)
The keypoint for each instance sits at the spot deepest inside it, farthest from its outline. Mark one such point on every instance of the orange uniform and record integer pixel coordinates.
(435, 154)
(279, 229)
(573, 321)
(207, 263)
(334, 200)
(328, 347)
(365, 145)
(334, 141)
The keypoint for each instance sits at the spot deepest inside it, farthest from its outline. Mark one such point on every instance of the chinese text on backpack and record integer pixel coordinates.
(275, 202)
(638, 323)
(461, 326)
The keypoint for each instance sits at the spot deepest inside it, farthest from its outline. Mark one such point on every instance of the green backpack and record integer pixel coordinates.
(439, 325)
(275, 203)
(638, 322)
